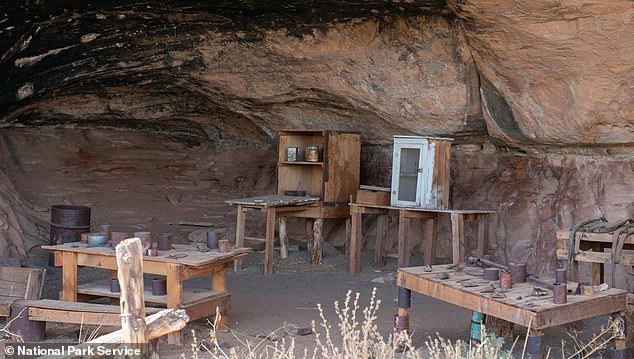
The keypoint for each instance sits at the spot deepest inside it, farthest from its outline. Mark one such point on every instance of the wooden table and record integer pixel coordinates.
(272, 205)
(405, 214)
(518, 306)
(198, 302)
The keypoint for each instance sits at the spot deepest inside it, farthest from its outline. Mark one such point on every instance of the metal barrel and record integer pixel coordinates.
(68, 223)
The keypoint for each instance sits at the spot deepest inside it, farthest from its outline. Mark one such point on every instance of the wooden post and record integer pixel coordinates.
(318, 242)
(283, 238)
(430, 239)
(457, 237)
(309, 234)
(270, 240)
(69, 276)
(355, 241)
(483, 234)
(240, 223)
(381, 239)
(174, 297)
(403, 239)
(130, 273)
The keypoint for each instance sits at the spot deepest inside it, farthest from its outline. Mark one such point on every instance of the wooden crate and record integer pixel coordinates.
(334, 178)
(373, 195)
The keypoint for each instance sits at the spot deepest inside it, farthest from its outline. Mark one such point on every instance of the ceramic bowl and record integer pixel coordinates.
(97, 239)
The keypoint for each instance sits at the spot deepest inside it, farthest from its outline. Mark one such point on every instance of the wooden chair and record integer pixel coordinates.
(19, 283)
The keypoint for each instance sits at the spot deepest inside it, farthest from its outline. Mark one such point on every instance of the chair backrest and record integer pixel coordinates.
(21, 283)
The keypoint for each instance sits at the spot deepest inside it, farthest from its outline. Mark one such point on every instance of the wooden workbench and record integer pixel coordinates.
(517, 305)
(273, 205)
(186, 262)
(405, 214)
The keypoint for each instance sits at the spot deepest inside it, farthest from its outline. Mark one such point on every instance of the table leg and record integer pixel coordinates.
(270, 240)
(219, 284)
(430, 239)
(69, 276)
(535, 347)
(348, 223)
(112, 274)
(483, 234)
(403, 239)
(283, 238)
(381, 239)
(457, 237)
(318, 242)
(309, 234)
(355, 242)
(240, 223)
(174, 298)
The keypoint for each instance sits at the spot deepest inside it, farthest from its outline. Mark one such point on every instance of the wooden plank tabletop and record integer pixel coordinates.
(193, 257)
(459, 211)
(273, 200)
(465, 285)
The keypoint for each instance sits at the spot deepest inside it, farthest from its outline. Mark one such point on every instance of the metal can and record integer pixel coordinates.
(311, 154)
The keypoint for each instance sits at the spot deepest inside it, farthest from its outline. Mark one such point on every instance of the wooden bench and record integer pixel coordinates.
(49, 310)
(19, 283)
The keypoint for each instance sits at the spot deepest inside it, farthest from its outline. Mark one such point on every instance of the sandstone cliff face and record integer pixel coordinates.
(156, 115)
(554, 72)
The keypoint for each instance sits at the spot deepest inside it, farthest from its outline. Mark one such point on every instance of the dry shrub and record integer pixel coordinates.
(358, 337)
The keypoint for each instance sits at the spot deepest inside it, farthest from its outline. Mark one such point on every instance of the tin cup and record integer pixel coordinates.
(212, 240)
(159, 286)
(519, 272)
(164, 241)
(85, 237)
(114, 285)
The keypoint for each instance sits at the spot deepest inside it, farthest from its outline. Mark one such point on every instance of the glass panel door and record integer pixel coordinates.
(408, 174)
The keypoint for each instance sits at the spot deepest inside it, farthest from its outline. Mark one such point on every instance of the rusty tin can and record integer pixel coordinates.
(311, 154)
(560, 293)
(506, 279)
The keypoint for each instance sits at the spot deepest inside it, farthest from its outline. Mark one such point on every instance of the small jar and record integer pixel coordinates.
(311, 154)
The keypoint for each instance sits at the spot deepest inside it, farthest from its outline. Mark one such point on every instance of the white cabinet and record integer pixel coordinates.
(420, 172)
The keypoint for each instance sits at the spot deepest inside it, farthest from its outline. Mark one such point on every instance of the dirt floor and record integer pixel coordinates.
(275, 306)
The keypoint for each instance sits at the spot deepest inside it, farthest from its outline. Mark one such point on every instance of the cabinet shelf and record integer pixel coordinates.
(296, 163)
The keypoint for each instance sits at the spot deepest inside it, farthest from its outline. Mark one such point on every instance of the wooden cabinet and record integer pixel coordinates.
(420, 172)
(333, 178)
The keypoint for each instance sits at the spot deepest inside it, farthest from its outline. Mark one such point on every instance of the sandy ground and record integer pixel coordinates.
(278, 304)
